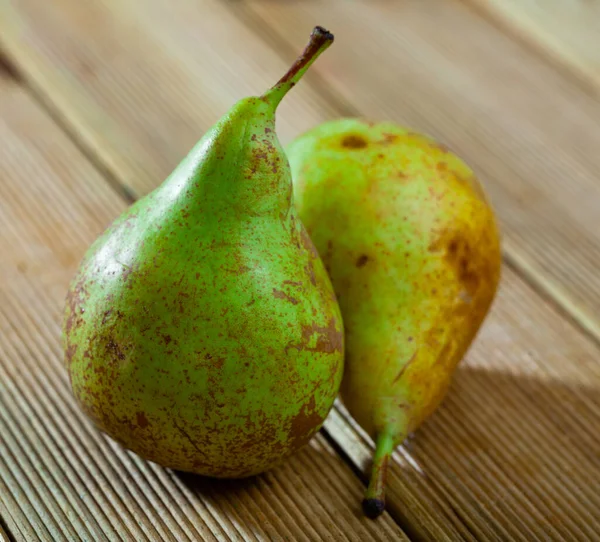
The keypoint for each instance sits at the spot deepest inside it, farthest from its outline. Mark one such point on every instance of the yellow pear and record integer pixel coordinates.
(412, 247)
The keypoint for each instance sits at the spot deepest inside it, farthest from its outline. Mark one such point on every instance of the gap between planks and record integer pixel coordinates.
(3, 535)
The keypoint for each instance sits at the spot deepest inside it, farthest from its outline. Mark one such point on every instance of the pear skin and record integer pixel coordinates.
(201, 330)
(412, 247)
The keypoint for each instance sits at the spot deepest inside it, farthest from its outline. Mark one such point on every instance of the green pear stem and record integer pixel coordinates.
(320, 39)
(374, 501)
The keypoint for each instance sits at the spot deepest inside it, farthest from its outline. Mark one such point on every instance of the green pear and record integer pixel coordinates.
(413, 251)
(201, 330)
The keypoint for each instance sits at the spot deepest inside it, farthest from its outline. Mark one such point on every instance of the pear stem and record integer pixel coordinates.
(320, 39)
(374, 501)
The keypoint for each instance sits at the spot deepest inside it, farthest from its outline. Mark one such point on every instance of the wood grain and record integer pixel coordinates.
(60, 478)
(530, 133)
(563, 31)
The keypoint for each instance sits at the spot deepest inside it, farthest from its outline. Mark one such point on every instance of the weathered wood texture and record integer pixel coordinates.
(514, 452)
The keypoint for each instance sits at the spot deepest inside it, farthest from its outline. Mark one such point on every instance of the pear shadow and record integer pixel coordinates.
(507, 453)
(314, 487)
(200, 485)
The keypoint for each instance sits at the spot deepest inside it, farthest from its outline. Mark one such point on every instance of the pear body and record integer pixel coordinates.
(413, 251)
(201, 330)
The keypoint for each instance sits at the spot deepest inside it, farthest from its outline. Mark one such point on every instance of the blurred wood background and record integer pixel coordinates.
(100, 99)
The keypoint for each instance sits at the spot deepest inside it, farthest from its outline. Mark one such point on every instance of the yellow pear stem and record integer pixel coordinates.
(320, 39)
(374, 501)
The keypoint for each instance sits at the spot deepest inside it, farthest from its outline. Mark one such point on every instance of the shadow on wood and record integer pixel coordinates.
(319, 487)
(502, 443)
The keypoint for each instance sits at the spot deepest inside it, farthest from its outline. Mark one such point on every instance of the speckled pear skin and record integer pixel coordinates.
(201, 330)
(413, 251)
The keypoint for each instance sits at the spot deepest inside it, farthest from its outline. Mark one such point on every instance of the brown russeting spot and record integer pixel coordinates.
(141, 419)
(304, 424)
(354, 142)
(282, 295)
(329, 339)
(362, 260)
(69, 353)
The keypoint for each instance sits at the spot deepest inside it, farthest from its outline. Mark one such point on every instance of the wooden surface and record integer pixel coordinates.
(566, 31)
(101, 99)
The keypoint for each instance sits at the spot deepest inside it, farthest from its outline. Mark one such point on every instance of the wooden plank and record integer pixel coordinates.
(530, 132)
(456, 490)
(564, 31)
(60, 478)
